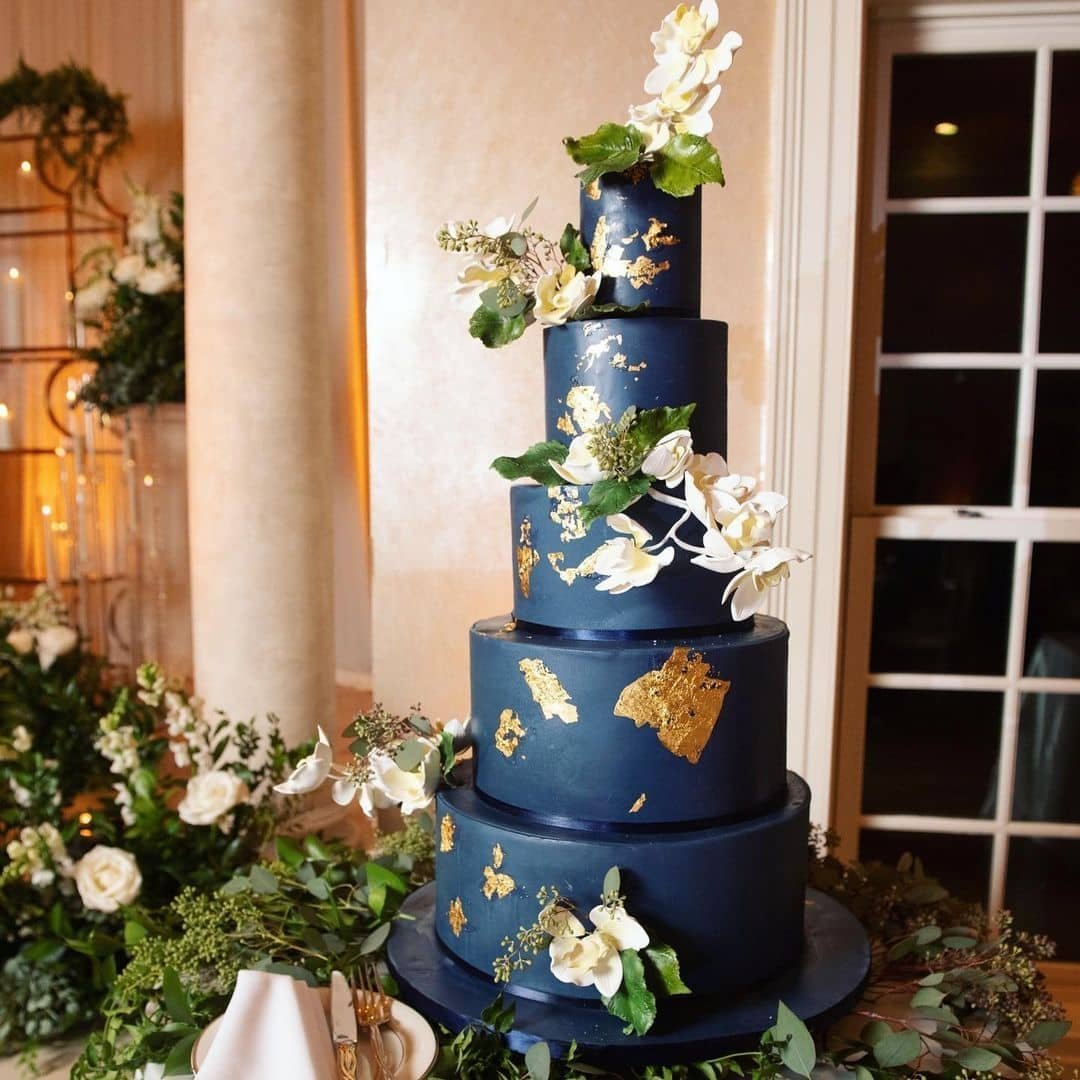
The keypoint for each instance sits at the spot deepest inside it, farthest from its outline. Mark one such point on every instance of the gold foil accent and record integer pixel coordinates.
(509, 733)
(631, 238)
(592, 190)
(456, 916)
(639, 802)
(570, 574)
(566, 425)
(584, 402)
(548, 692)
(510, 626)
(682, 700)
(596, 350)
(620, 361)
(446, 833)
(566, 512)
(598, 247)
(654, 236)
(527, 557)
(643, 271)
(495, 883)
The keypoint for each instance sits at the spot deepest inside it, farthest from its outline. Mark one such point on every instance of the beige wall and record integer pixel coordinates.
(464, 115)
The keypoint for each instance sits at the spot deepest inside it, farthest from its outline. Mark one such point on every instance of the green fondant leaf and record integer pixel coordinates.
(495, 329)
(533, 464)
(610, 148)
(633, 1001)
(651, 425)
(665, 966)
(594, 311)
(613, 497)
(684, 163)
(574, 251)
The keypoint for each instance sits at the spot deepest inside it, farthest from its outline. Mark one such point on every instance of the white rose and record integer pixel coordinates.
(561, 296)
(668, 459)
(580, 465)
(55, 642)
(90, 299)
(22, 641)
(128, 268)
(210, 796)
(157, 279)
(107, 878)
(411, 790)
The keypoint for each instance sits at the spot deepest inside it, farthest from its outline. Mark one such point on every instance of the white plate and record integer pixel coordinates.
(409, 1041)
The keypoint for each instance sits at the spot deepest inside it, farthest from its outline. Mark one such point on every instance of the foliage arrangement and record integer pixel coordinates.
(76, 122)
(135, 299)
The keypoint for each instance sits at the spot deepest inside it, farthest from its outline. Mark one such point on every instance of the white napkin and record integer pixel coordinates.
(274, 1029)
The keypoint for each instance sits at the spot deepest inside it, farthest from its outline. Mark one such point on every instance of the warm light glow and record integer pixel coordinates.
(46, 510)
(5, 412)
(86, 832)
(25, 166)
(69, 296)
(60, 451)
(70, 396)
(148, 480)
(946, 127)
(13, 273)
(85, 817)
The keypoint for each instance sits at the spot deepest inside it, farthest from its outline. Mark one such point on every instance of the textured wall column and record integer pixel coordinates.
(258, 372)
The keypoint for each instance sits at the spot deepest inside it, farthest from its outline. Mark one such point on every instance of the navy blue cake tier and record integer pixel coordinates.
(630, 734)
(594, 370)
(647, 243)
(555, 587)
(728, 898)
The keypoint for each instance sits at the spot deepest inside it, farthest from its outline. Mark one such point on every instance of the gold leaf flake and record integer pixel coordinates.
(598, 349)
(566, 512)
(639, 802)
(588, 409)
(566, 425)
(620, 361)
(592, 190)
(497, 856)
(682, 700)
(509, 733)
(446, 833)
(510, 626)
(655, 237)
(495, 883)
(527, 557)
(631, 238)
(643, 271)
(547, 691)
(456, 917)
(598, 247)
(570, 574)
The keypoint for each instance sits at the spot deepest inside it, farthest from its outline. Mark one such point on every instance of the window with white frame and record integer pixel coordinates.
(960, 727)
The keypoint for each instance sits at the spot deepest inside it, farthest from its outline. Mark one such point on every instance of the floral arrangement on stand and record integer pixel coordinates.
(521, 277)
(135, 299)
(629, 459)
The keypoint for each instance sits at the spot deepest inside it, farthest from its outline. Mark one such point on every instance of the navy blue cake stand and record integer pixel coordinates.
(834, 968)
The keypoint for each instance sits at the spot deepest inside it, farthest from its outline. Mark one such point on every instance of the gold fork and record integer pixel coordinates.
(373, 1008)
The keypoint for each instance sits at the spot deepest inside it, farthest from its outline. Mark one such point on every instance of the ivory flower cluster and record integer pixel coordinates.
(684, 81)
(592, 958)
(50, 643)
(39, 855)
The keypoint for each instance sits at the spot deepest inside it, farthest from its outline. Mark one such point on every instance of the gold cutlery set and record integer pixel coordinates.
(351, 1006)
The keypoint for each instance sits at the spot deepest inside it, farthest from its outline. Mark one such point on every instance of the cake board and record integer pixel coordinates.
(834, 968)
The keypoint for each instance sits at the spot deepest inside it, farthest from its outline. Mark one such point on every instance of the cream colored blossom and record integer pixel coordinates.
(560, 296)
(107, 878)
(210, 796)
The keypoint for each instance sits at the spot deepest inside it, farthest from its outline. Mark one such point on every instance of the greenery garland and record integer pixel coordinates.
(76, 120)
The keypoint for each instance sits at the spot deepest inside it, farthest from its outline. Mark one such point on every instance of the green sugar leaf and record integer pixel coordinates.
(684, 163)
(613, 497)
(495, 329)
(610, 148)
(651, 425)
(574, 251)
(533, 464)
(633, 1001)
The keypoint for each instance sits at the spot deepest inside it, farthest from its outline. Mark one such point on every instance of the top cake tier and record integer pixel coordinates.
(646, 243)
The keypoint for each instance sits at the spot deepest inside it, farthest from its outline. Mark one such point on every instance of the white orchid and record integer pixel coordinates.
(412, 789)
(668, 459)
(54, 642)
(752, 526)
(561, 295)
(718, 555)
(594, 959)
(766, 568)
(310, 772)
(624, 563)
(580, 465)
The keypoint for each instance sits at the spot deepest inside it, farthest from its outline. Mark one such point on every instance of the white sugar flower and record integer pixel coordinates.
(412, 790)
(500, 226)
(713, 494)
(128, 268)
(477, 276)
(454, 726)
(160, 278)
(623, 563)
(719, 556)
(107, 878)
(21, 640)
(54, 642)
(752, 526)
(560, 921)
(765, 569)
(311, 771)
(594, 959)
(668, 459)
(560, 296)
(210, 796)
(580, 465)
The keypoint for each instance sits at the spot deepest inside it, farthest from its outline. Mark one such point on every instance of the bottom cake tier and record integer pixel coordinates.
(729, 898)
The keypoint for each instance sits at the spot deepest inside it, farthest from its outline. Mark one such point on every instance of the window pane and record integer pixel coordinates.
(1046, 755)
(941, 606)
(1055, 461)
(946, 437)
(960, 862)
(1043, 890)
(954, 282)
(961, 125)
(1053, 624)
(1059, 324)
(1063, 172)
(914, 739)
